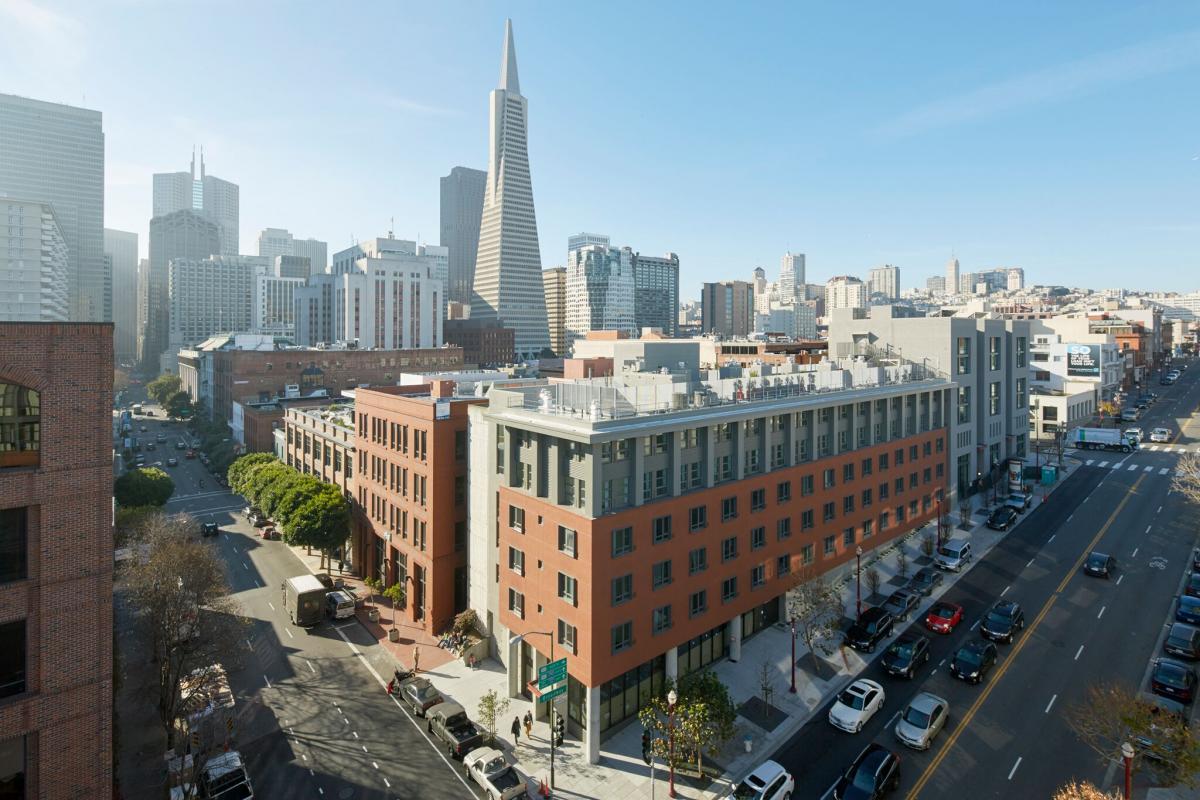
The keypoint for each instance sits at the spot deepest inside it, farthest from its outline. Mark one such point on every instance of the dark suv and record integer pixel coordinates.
(905, 654)
(209, 529)
(875, 773)
(1003, 621)
(874, 625)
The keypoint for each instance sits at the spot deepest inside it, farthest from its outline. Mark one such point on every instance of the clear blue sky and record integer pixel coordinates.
(1060, 137)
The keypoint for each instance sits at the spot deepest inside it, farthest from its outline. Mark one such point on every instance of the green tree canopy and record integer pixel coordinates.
(704, 718)
(178, 405)
(239, 471)
(147, 486)
(261, 477)
(274, 491)
(163, 388)
(322, 521)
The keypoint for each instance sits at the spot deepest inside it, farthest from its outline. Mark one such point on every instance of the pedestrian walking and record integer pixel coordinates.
(529, 725)
(516, 731)
(416, 659)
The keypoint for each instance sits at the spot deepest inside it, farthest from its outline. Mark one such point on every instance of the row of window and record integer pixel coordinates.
(400, 438)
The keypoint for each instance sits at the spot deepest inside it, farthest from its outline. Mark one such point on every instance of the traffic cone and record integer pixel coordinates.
(543, 789)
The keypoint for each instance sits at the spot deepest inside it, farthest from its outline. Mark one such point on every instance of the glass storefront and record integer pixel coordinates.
(698, 653)
(756, 619)
(624, 695)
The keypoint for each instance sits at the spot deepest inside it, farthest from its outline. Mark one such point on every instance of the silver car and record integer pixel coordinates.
(921, 721)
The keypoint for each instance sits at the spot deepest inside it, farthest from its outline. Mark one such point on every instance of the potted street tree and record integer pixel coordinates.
(395, 593)
(373, 586)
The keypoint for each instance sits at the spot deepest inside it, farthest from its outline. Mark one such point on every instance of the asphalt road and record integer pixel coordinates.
(1008, 737)
(315, 720)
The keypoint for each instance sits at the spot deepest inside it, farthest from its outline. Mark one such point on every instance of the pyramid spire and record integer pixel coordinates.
(508, 62)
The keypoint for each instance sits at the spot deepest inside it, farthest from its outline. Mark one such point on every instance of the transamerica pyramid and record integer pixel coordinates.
(508, 270)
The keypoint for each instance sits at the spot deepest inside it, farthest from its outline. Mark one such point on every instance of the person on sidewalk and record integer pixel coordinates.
(516, 732)
(416, 659)
(529, 725)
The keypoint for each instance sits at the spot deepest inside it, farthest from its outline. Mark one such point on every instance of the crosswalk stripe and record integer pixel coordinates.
(1132, 467)
(1148, 469)
(1154, 449)
(1163, 471)
(1116, 465)
(1090, 461)
(1102, 464)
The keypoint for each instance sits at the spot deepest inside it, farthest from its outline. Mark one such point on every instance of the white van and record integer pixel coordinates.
(953, 555)
(339, 605)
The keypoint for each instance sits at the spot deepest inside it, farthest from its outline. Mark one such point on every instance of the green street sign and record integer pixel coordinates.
(552, 673)
(553, 693)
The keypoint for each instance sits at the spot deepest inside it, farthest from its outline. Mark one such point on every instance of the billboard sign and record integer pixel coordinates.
(1083, 360)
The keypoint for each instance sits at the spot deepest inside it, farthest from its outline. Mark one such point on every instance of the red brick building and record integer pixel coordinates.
(56, 560)
(411, 520)
(320, 442)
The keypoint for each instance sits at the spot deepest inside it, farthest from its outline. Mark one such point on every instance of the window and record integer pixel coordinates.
(622, 541)
(884, 493)
(806, 485)
(899, 459)
(662, 529)
(516, 560)
(868, 528)
(20, 426)
(697, 560)
(1021, 393)
(912, 480)
(622, 589)
(964, 405)
(622, 636)
(939, 470)
(729, 589)
(516, 519)
(899, 514)
(883, 461)
(568, 541)
(883, 521)
(963, 355)
(848, 537)
(568, 588)
(899, 485)
(783, 566)
(758, 499)
(662, 619)
(927, 449)
(806, 519)
(939, 445)
(758, 538)
(12, 767)
(866, 497)
(728, 508)
(806, 555)
(783, 528)
(993, 352)
(516, 603)
(14, 541)
(698, 518)
(783, 492)
(847, 472)
(661, 573)
(567, 636)
(698, 603)
(994, 398)
(848, 504)
(829, 479)
(926, 475)
(912, 453)
(758, 576)
(829, 510)
(1021, 350)
(830, 545)
(729, 548)
(866, 466)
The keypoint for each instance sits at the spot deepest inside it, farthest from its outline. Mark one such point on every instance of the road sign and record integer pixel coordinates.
(553, 693)
(552, 673)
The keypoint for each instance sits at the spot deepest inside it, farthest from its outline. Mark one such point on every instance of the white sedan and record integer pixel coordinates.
(1160, 435)
(855, 705)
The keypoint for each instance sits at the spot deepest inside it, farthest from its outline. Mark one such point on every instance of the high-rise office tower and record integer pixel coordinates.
(122, 249)
(211, 295)
(554, 284)
(884, 281)
(180, 234)
(656, 292)
(462, 210)
(34, 264)
(727, 309)
(212, 198)
(274, 242)
(580, 240)
(508, 270)
(599, 290)
(53, 153)
(1016, 279)
(952, 276)
(845, 291)
(791, 277)
(316, 251)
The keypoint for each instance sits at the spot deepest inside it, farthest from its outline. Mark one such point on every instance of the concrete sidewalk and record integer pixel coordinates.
(621, 771)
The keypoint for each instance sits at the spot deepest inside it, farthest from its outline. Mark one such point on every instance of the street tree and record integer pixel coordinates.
(272, 493)
(130, 522)
(1110, 715)
(1187, 477)
(143, 486)
(178, 405)
(322, 521)
(262, 477)
(163, 388)
(1083, 791)
(492, 708)
(240, 470)
(874, 579)
(902, 563)
(816, 607)
(702, 720)
(186, 619)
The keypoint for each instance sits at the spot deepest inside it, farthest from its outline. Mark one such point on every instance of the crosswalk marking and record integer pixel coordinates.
(1148, 469)
(1132, 467)
(1154, 449)
(1163, 471)
(1103, 464)
(1091, 461)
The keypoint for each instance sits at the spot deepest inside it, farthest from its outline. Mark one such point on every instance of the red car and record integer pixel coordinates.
(191, 453)
(943, 617)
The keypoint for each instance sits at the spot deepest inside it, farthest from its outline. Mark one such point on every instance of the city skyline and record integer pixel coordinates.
(925, 164)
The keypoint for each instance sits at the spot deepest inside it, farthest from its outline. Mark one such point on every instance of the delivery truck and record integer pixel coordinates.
(304, 599)
(1101, 439)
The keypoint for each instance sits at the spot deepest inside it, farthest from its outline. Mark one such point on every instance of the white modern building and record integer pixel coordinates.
(212, 198)
(121, 248)
(316, 251)
(508, 273)
(791, 277)
(578, 241)
(274, 304)
(599, 290)
(845, 291)
(1016, 279)
(54, 153)
(184, 234)
(211, 295)
(952, 276)
(884, 282)
(274, 242)
(34, 263)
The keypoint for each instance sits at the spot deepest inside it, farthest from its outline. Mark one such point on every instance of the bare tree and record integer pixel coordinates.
(766, 684)
(816, 607)
(873, 580)
(1187, 477)
(901, 561)
(1083, 791)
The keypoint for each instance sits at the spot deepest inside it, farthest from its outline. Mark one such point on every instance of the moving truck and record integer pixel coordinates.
(304, 599)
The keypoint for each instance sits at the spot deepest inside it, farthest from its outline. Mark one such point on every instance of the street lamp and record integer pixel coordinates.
(858, 576)
(1127, 754)
(672, 697)
(520, 637)
(793, 689)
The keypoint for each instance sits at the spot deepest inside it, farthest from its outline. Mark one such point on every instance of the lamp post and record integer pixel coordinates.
(1127, 754)
(553, 711)
(858, 581)
(793, 689)
(672, 697)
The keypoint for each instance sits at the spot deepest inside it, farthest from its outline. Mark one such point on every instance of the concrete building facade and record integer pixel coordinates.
(214, 199)
(656, 293)
(727, 309)
(599, 290)
(554, 286)
(177, 235)
(884, 282)
(845, 291)
(122, 249)
(462, 210)
(484, 343)
(320, 442)
(211, 295)
(35, 273)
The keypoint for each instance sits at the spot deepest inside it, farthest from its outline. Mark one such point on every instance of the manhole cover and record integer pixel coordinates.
(346, 794)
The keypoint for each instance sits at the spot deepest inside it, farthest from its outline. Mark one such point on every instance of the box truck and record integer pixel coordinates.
(304, 599)
(1101, 439)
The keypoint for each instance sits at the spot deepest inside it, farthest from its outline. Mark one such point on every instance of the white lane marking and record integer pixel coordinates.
(933, 673)
(355, 734)
(1071, 517)
(268, 681)
(364, 747)
(1090, 461)
(347, 625)
(942, 663)
(1051, 539)
(1148, 469)
(1102, 464)
(304, 756)
(345, 721)
(320, 790)
(272, 605)
(1153, 448)
(383, 685)
(1119, 579)
(245, 567)
(976, 625)
(1135, 552)
(1006, 588)
(1013, 771)
(895, 717)
(1118, 464)
(1101, 614)
(310, 666)
(1050, 704)
(387, 782)
(1133, 467)
(1030, 564)
(1148, 527)
(1079, 652)
(1164, 471)
(289, 633)
(249, 646)
(1159, 510)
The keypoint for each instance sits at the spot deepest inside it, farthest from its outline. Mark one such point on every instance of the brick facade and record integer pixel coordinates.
(65, 714)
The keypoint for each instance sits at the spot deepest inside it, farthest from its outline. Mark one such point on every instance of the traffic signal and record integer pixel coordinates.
(646, 741)
(560, 729)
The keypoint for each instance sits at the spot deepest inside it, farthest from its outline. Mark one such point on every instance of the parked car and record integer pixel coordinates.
(1183, 641)
(874, 625)
(190, 454)
(1130, 414)
(1003, 621)
(1196, 559)
(420, 695)
(973, 660)
(925, 581)
(953, 555)
(1173, 679)
(943, 617)
(1021, 501)
(921, 721)
(1187, 609)
(449, 723)
(172, 462)
(768, 781)
(180, 446)
(1192, 588)
(874, 774)
(209, 529)
(901, 604)
(1168, 727)
(1099, 564)
(904, 655)
(1160, 435)
(338, 605)
(498, 779)
(856, 704)
(1002, 518)
(325, 580)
